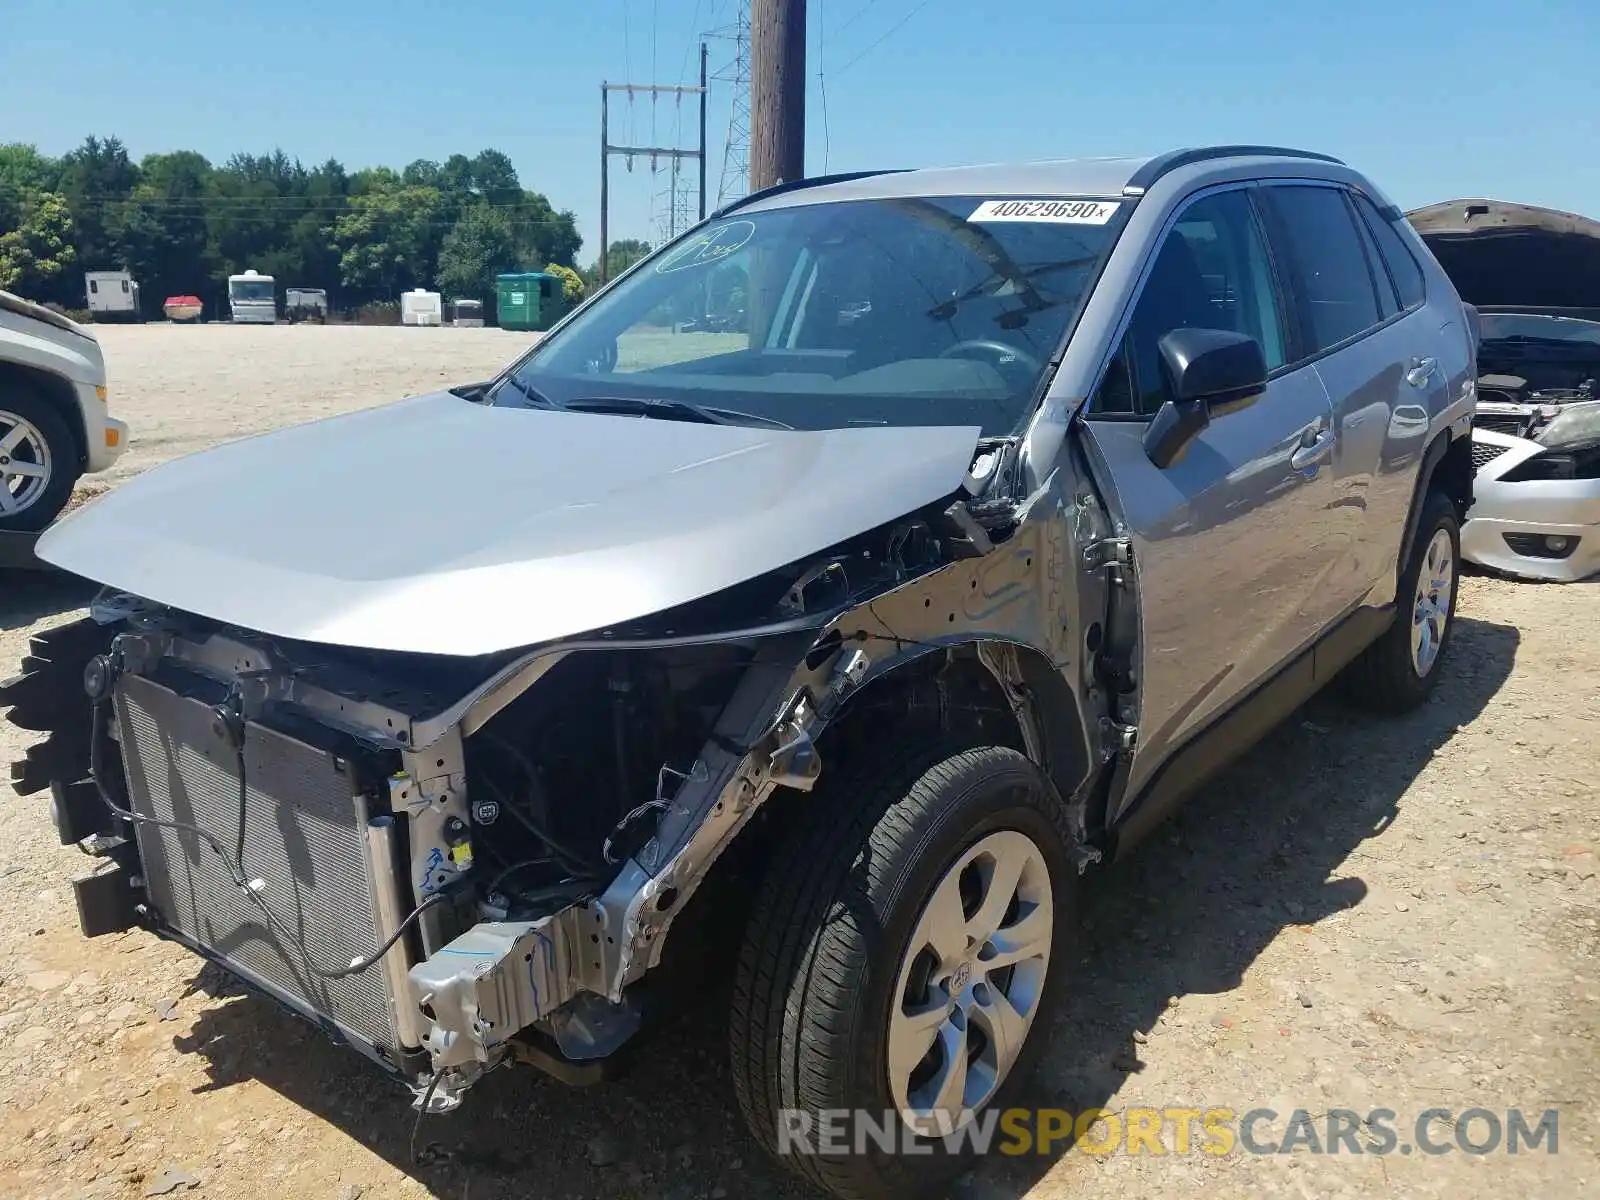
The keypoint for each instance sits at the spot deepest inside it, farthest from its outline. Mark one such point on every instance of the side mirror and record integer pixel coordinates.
(1210, 373)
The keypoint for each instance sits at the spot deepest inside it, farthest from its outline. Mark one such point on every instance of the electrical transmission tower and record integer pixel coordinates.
(673, 154)
(735, 181)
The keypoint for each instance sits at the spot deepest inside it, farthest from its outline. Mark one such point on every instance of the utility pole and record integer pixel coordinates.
(777, 92)
(653, 153)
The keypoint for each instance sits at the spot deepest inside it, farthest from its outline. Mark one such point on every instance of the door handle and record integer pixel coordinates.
(1421, 369)
(1314, 452)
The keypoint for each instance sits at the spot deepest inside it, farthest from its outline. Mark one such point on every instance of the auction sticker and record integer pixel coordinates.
(709, 247)
(1060, 212)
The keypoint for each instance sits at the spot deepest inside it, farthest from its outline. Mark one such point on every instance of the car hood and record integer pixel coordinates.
(437, 525)
(1500, 254)
(12, 303)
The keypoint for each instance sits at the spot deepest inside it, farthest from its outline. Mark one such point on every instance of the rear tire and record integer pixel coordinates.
(38, 461)
(1399, 671)
(841, 924)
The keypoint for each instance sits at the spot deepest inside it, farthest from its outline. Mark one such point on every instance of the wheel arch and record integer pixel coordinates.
(996, 686)
(995, 690)
(55, 389)
(1446, 467)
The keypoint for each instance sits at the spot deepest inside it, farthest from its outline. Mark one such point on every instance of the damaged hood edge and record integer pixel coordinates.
(440, 526)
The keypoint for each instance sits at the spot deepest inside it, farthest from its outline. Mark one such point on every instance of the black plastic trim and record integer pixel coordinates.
(1164, 164)
(1246, 723)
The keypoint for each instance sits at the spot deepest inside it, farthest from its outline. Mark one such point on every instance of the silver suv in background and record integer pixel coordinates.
(850, 577)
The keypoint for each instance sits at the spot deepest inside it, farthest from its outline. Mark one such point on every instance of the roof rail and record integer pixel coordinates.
(1146, 176)
(794, 185)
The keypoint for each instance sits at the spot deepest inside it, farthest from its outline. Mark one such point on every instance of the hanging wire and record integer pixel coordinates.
(822, 87)
(885, 36)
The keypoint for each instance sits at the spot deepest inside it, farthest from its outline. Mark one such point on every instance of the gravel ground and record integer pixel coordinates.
(1363, 914)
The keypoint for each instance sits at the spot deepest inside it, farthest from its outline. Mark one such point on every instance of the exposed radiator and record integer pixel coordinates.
(305, 838)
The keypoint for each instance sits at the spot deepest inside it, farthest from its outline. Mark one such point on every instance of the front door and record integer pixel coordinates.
(1231, 542)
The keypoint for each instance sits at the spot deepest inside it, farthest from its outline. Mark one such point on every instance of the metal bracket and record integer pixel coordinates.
(1108, 552)
(794, 761)
(1120, 738)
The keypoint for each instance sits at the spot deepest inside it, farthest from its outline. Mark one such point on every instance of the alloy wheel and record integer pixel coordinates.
(970, 983)
(24, 463)
(1430, 608)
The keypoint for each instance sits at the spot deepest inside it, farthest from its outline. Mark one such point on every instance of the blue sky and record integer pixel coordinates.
(1435, 99)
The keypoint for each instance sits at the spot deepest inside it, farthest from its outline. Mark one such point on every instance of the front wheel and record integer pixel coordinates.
(38, 462)
(1400, 670)
(901, 965)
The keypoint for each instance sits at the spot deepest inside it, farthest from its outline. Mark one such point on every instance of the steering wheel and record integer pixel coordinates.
(1005, 354)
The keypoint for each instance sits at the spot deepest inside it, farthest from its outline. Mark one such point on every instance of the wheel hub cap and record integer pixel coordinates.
(970, 983)
(1430, 607)
(24, 463)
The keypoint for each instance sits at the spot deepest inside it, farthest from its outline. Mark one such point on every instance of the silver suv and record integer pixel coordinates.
(846, 580)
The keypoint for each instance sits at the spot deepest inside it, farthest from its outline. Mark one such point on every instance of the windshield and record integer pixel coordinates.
(916, 311)
(250, 289)
(1499, 327)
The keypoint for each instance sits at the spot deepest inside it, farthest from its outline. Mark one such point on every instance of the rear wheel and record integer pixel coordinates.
(902, 963)
(38, 462)
(1400, 670)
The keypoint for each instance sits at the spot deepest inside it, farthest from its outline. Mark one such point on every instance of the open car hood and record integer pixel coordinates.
(437, 525)
(1515, 256)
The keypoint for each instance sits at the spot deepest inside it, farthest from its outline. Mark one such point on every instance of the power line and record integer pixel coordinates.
(887, 34)
(859, 13)
(627, 43)
(822, 87)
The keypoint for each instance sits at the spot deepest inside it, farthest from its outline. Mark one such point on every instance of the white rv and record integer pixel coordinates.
(419, 306)
(253, 298)
(113, 295)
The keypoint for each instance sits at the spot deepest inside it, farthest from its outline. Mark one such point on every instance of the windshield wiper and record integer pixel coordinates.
(669, 410)
(528, 393)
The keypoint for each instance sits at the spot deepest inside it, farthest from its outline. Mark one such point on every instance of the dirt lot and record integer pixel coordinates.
(1363, 914)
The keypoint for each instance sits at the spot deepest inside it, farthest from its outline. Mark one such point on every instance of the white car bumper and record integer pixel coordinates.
(105, 437)
(1534, 528)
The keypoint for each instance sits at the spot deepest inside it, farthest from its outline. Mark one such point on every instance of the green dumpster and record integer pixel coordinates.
(528, 300)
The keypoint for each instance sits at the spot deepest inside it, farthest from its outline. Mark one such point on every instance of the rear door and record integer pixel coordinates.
(1231, 540)
(1378, 359)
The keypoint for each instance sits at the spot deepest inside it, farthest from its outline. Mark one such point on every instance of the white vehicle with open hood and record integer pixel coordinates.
(789, 598)
(1531, 273)
(54, 426)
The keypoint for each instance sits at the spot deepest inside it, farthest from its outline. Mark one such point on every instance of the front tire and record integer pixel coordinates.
(1399, 671)
(38, 462)
(902, 961)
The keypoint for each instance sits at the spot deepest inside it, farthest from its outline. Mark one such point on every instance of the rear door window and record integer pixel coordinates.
(1397, 256)
(1330, 279)
(1388, 303)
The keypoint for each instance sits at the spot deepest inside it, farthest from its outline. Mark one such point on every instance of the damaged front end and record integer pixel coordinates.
(454, 862)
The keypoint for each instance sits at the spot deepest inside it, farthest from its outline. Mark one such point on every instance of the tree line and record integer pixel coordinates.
(181, 225)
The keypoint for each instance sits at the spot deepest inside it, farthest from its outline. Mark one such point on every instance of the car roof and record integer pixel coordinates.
(1089, 177)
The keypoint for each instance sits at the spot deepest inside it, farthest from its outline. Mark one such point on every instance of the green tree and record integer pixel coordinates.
(35, 254)
(386, 239)
(478, 247)
(572, 286)
(622, 255)
(96, 179)
(160, 233)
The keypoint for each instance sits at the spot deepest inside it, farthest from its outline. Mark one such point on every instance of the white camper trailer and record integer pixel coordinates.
(253, 298)
(113, 295)
(421, 307)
